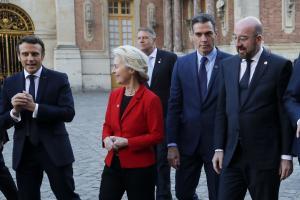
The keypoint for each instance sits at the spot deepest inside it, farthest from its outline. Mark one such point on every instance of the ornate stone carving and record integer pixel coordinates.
(89, 20)
(151, 21)
(288, 15)
(221, 9)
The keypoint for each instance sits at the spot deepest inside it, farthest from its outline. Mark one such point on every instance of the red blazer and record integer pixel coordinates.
(141, 124)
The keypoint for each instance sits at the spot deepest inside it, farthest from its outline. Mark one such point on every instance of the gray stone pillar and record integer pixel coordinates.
(67, 57)
(196, 7)
(168, 33)
(177, 26)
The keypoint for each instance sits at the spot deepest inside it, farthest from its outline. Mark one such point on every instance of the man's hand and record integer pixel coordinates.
(174, 157)
(108, 143)
(298, 131)
(285, 169)
(30, 105)
(18, 101)
(218, 161)
(119, 142)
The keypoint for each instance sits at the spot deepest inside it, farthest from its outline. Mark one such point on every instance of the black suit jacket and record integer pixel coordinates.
(260, 123)
(161, 76)
(292, 102)
(190, 123)
(56, 106)
(3, 132)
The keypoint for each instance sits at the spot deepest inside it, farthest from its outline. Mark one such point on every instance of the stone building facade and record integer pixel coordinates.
(80, 34)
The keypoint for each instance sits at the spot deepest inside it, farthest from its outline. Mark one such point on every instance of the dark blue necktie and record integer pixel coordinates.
(32, 86)
(31, 131)
(244, 82)
(203, 78)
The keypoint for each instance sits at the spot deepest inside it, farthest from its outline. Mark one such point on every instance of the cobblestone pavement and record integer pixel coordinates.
(85, 131)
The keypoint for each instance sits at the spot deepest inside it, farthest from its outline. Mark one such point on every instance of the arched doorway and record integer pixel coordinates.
(14, 24)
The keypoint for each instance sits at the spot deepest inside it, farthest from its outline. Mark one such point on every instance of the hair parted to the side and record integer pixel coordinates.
(148, 30)
(203, 18)
(135, 59)
(31, 39)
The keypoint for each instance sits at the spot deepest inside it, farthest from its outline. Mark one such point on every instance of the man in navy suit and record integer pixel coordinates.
(191, 111)
(160, 67)
(253, 136)
(37, 102)
(292, 104)
(7, 184)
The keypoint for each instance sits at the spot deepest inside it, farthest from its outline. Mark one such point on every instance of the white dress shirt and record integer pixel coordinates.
(151, 63)
(254, 62)
(37, 76)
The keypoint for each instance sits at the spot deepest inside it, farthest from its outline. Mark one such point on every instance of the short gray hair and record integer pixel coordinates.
(148, 30)
(135, 59)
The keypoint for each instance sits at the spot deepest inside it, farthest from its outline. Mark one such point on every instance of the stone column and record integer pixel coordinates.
(67, 57)
(177, 26)
(168, 33)
(210, 7)
(196, 7)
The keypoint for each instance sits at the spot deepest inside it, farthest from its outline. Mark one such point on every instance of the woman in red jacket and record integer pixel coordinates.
(133, 125)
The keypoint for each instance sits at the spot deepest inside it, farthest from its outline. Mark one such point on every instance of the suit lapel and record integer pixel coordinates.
(157, 66)
(235, 78)
(20, 84)
(42, 85)
(214, 73)
(193, 63)
(135, 99)
(259, 71)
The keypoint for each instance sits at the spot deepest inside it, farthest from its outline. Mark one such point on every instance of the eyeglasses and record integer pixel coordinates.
(243, 38)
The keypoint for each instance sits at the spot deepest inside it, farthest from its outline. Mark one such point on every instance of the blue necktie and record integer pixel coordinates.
(203, 78)
(32, 86)
(31, 131)
(244, 82)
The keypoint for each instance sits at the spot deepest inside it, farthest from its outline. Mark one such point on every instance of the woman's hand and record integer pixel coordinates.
(108, 143)
(119, 142)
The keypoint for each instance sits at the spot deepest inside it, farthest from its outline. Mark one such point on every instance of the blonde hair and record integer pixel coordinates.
(133, 58)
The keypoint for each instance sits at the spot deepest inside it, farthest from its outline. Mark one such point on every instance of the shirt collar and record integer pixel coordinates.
(256, 57)
(153, 54)
(37, 73)
(210, 56)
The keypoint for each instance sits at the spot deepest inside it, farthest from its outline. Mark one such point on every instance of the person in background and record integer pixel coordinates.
(133, 126)
(160, 67)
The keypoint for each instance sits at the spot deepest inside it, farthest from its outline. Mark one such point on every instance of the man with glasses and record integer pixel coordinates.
(253, 136)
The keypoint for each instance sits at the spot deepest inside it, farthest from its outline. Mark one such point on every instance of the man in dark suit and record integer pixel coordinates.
(160, 67)
(7, 184)
(292, 104)
(37, 102)
(191, 111)
(252, 132)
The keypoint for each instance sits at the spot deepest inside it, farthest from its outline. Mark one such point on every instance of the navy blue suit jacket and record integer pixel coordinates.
(56, 106)
(260, 122)
(3, 132)
(190, 123)
(292, 102)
